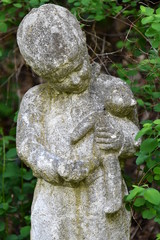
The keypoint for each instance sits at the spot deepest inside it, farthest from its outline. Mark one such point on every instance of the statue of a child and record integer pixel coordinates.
(70, 196)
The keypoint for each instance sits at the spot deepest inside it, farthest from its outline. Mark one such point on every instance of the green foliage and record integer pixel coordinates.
(98, 10)
(17, 184)
(143, 198)
(152, 20)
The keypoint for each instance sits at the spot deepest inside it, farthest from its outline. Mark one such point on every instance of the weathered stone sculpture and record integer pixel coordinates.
(72, 131)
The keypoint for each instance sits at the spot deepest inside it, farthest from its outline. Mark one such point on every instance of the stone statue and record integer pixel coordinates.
(73, 131)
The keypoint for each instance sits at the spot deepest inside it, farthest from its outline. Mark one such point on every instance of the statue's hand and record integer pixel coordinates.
(73, 171)
(108, 139)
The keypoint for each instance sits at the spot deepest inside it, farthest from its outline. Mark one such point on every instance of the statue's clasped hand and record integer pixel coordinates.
(108, 139)
(73, 171)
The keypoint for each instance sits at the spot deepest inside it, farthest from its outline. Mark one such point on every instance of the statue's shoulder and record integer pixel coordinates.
(34, 98)
(34, 93)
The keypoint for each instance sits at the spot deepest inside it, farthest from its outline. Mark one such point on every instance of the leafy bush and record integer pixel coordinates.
(145, 197)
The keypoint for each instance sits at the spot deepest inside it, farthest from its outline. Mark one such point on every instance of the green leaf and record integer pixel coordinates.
(71, 1)
(28, 175)
(1, 52)
(158, 11)
(155, 43)
(12, 237)
(146, 10)
(147, 20)
(149, 214)
(157, 219)
(12, 170)
(7, 1)
(158, 235)
(157, 128)
(17, 5)
(149, 145)
(150, 178)
(34, 3)
(156, 26)
(157, 121)
(156, 94)
(150, 32)
(4, 206)
(3, 27)
(139, 202)
(141, 158)
(156, 170)
(11, 153)
(157, 108)
(85, 2)
(25, 231)
(157, 177)
(2, 226)
(152, 196)
(134, 192)
(143, 131)
(140, 102)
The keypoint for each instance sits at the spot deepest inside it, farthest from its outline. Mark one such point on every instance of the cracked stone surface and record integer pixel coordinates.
(73, 131)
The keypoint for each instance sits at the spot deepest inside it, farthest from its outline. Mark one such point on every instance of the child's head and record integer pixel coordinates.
(119, 100)
(52, 43)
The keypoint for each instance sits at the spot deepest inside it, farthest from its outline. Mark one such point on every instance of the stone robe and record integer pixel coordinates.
(60, 209)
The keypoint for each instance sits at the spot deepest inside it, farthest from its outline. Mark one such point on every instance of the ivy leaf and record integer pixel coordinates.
(152, 196)
(149, 145)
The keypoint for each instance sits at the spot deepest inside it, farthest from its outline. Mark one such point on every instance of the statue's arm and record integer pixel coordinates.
(129, 144)
(83, 127)
(30, 147)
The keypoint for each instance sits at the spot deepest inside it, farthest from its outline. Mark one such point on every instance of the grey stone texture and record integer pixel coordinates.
(73, 131)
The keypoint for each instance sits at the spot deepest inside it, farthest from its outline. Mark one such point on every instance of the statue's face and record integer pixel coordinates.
(76, 81)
